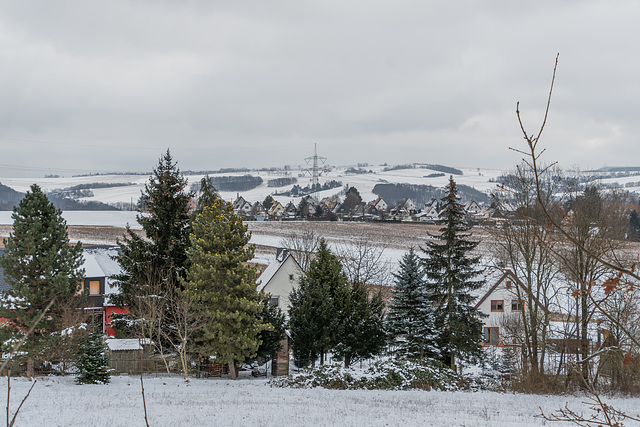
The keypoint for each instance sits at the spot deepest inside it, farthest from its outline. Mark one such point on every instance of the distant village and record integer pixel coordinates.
(334, 209)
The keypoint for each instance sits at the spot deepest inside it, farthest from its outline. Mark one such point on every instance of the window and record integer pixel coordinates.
(517, 305)
(94, 287)
(291, 278)
(274, 300)
(508, 283)
(497, 305)
(490, 336)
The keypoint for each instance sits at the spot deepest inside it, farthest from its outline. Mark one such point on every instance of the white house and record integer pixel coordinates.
(500, 303)
(280, 278)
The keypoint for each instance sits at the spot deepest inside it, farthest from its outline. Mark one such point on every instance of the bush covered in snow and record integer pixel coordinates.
(390, 374)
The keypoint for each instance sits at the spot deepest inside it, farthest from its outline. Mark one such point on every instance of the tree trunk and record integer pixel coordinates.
(233, 374)
(30, 370)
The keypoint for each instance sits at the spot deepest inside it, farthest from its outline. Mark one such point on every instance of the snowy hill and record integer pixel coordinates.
(125, 189)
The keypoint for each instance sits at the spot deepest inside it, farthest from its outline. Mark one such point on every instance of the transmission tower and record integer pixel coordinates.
(315, 170)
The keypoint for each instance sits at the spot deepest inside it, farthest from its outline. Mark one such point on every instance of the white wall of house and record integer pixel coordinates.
(500, 305)
(282, 282)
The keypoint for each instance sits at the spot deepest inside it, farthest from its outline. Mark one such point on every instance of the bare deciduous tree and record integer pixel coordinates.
(363, 262)
(302, 242)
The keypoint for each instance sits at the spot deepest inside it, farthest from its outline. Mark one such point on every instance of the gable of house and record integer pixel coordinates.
(504, 299)
(280, 278)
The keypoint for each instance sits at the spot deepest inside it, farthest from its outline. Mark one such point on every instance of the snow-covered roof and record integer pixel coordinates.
(120, 344)
(270, 271)
(102, 258)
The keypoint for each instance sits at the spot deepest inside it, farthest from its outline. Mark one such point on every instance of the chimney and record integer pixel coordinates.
(281, 254)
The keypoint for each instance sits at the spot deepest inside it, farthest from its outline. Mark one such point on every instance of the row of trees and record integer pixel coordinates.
(431, 314)
(187, 284)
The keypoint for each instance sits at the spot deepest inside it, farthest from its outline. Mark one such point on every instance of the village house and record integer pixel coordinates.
(280, 278)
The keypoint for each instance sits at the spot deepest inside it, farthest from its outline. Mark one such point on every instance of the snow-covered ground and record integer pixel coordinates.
(57, 401)
(97, 218)
(473, 177)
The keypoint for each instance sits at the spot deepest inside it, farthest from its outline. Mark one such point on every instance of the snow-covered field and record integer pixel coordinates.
(477, 178)
(57, 401)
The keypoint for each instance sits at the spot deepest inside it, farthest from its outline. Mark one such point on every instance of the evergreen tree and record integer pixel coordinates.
(411, 318)
(270, 338)
(318, 307)
(93, 361)
(207, 194)
(361, 330)
(451, 277)
(162, 256)
(224, 285)
(634, 223)
(41, 265)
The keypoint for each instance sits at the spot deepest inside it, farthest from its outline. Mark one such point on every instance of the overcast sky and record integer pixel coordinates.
(110, 85)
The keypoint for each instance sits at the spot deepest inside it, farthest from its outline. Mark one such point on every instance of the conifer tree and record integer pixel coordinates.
(411, 318)
(93, 361)
(270, 338)
(362, 326)
(452, 274)
(318, 307)
(41, 265)
(207, 194)
(224, 285)
(162, 256)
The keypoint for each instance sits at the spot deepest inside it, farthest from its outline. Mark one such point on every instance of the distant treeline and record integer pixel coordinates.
(9, 198)
(440, 168)
(281, 182)
(420, 194)
(236, 183)
(94, 185)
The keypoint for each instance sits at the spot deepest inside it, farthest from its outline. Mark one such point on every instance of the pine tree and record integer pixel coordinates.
(634, 224)
(270, 338)
(41, 265)
(318, 307)
(207, 194)
(451, 276)
(224, 285)
(162, 256)
(93, 361)
(411, 319)
(362, 328)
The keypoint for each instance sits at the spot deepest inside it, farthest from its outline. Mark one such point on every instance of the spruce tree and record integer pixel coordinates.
(270, 338)
(224, 285)
(452, 274)
(318, 307)
(162, 255)
(634, 225)
(207, 194)
(93, 361)
(362, 326)
(41, 265)
(411, 318)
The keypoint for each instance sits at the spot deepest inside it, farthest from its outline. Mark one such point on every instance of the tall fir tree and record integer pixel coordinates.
(452, 274)
(41, 266)
(224, 286)
(207, 195)
(318, 307)
(93, 361)
(411, 318)
(361, 332)
(162, 255)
